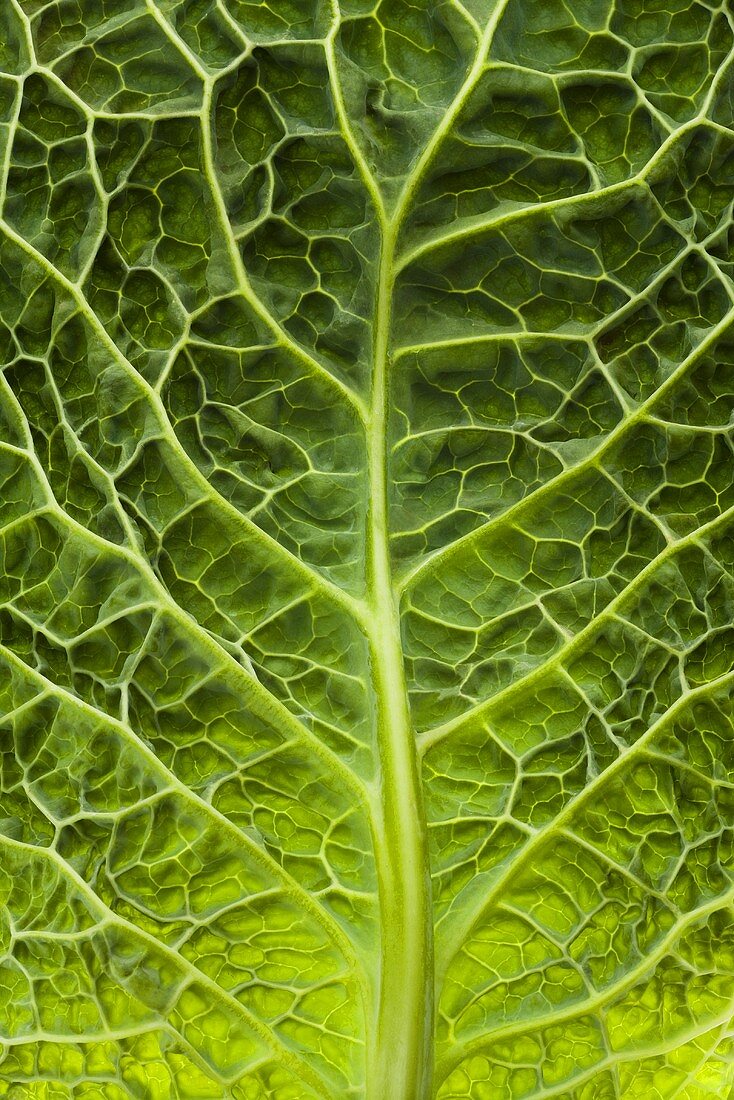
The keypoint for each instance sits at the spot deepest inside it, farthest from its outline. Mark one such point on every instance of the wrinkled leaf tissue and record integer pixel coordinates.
(367, 520)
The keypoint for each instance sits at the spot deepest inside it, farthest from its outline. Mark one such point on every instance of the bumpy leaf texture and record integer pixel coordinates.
(367, 579)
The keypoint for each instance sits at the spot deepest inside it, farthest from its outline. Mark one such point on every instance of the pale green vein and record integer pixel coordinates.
(401, 1060)
(229, 1004)
(244, 285)
(241, 841)
(489, 338)
(263, 703)
(639, 1053)
(364, 169)
(594, 197)
(522, 684)
(624, 981)
(462, 924)
(243, 282)
(190, 473)
(443, 130)
(590, 462)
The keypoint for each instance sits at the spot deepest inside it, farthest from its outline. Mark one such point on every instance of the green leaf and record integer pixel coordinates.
(367, 579)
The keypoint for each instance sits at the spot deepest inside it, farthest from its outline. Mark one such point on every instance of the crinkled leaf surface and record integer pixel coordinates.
(367, 578)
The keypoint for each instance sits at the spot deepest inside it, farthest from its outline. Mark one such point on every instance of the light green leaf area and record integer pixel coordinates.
(367, 577)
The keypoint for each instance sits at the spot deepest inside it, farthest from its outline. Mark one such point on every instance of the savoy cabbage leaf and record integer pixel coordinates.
(367, 581)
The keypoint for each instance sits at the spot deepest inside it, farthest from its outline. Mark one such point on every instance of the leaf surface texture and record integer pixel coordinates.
(367, 576)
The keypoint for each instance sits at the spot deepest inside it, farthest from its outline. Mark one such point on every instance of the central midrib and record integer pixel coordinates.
(399, 1065)
(400, 1052)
